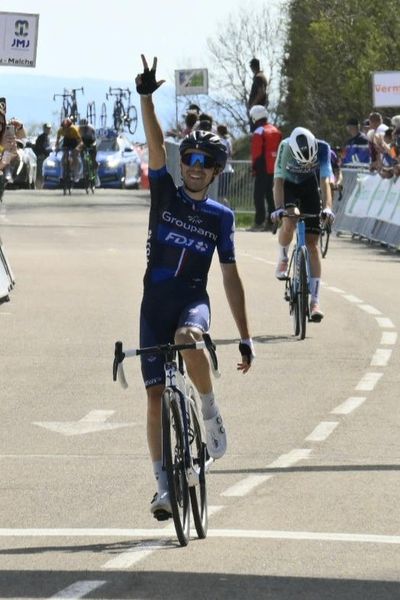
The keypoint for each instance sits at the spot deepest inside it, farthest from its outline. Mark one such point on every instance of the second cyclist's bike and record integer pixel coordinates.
(185, 458)
(89, 171)
(297, 285)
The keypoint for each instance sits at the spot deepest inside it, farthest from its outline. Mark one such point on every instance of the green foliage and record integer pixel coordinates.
(332, 48)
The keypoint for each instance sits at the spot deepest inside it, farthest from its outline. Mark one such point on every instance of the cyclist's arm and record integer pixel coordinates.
(235, 295)
(278, 193)
(154, 134)
(326, 192)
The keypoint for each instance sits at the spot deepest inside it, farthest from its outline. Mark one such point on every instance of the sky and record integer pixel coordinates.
(87, 38)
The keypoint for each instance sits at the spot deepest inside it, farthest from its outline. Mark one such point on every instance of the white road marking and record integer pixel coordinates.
(381, 357)
(142, 550)
(352, 298)
(291, 458)
(348, 405)
(94, 421)
(134, 555)
(5, 314)
(216, 533)
(368, 382)
(79, 589)
(335, 289)
(389, 338)
(371, 310)
(385, 323)
(322, 431)
(245, 486)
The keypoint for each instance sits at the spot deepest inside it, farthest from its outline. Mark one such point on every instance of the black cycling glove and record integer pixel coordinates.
(148, 83)
(246, 348)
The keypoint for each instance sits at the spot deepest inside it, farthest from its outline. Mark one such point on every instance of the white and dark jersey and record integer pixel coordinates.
(183, 234)
(287, 167)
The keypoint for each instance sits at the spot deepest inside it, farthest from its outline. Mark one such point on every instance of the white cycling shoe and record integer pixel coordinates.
(160, 506)
(216, 436)
(281, 271)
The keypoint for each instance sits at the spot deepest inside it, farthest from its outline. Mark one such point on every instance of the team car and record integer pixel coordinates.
(119, 164)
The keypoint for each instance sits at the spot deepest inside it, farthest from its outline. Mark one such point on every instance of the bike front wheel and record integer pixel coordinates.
(174, 462)
(198, 493)
(302, 293)
(324, 240)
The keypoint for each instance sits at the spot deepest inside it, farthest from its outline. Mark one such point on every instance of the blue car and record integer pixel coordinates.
(119, 162)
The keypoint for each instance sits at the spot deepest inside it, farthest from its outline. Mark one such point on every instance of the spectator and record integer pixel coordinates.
(42, 149)
(388, 158)
(225, 176)
(194, 108)
(8, 147)
(205, 122)
(375, 137)
(265, 141)
(357, 146)
(258, 92)
(190, 121)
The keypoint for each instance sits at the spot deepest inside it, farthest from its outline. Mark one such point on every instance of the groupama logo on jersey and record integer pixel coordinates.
(191, 227)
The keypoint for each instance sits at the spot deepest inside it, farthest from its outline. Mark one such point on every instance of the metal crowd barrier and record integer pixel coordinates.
(370, 207)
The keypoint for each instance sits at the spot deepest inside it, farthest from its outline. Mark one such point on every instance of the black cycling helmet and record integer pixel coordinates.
(207, 142)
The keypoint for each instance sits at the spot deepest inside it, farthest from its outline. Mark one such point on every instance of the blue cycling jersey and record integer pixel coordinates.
(183, 234)
(287, 167)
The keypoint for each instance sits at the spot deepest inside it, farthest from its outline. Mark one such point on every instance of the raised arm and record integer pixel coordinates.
(146, 84)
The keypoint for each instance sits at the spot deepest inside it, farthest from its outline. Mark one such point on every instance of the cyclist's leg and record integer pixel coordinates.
(311, 203)
(155, 328)
(286, 230)
(193, 322)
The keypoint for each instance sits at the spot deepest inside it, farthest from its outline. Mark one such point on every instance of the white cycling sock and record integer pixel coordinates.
(161, 476)
(314, 289)
(209, 407)
(283, 252)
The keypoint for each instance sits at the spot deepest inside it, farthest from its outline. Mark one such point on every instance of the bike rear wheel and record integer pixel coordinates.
(174, 462)
(302, 293)
(198, 493)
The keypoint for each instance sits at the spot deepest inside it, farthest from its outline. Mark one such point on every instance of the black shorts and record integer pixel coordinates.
(166, 307)
(307, 198)
(70, 144)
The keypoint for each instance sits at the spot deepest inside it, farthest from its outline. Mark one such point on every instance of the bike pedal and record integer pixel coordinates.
(162, 515)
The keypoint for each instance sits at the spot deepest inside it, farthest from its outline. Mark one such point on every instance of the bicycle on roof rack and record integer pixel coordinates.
(69, 107)
(124, 115)
(91, 113)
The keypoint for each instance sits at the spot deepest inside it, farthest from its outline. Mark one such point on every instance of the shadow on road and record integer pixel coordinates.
(163, 585)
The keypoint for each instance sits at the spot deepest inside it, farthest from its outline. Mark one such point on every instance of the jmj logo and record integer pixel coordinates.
(21, 30)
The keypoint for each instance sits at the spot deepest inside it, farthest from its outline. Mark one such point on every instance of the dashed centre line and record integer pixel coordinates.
(322, 431)
(385, 323)
(348, 405)
(381, 357)
(389, 338)
(79, 589)
(368, 382)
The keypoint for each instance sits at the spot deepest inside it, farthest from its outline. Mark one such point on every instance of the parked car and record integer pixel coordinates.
(119, 162)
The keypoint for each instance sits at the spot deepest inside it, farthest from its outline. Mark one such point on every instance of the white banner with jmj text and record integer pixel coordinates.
(18, 39)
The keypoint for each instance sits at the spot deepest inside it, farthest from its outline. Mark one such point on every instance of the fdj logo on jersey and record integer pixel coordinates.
(177, 239)
(21, 30)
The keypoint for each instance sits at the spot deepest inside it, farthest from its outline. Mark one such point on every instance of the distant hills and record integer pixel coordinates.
(30, 99)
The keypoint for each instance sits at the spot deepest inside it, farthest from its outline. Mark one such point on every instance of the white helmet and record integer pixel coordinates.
(303, 145)
(258, 112)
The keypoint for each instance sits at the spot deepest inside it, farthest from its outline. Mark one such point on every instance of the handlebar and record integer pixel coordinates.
(167, 349)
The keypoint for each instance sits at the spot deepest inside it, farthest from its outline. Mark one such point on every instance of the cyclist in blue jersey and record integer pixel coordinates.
(185, 228)
(302, 178)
